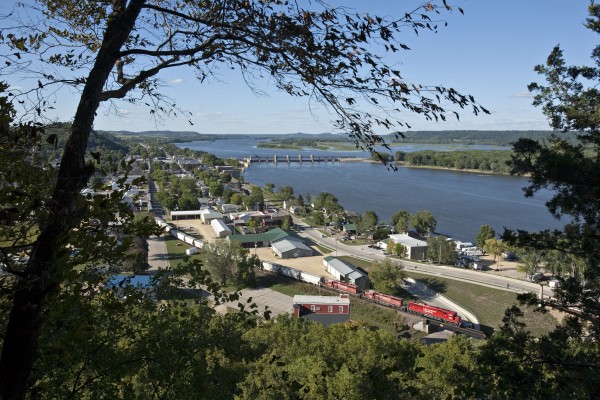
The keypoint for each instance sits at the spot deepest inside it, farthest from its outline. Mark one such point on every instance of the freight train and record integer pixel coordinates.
(426, 310)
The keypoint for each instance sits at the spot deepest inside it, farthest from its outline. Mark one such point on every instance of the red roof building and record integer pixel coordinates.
(324, 309)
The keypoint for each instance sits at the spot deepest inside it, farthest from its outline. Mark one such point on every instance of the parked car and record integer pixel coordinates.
(554, 283)
(537, 277)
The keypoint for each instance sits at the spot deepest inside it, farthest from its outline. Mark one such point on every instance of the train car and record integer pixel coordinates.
(342, 287)
(198, 243)
(432, 312)
(289, 272)
(179, 235)
(188, 239)
(383, 298)
(311, 278)
(267, 266)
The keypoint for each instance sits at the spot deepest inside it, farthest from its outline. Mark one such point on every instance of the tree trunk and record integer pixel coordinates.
(43, 273)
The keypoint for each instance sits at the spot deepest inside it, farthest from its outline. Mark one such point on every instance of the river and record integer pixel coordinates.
(460, 201)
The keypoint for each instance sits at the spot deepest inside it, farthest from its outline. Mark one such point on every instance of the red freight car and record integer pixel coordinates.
(342, 287)
(435, 312)
(383, 298)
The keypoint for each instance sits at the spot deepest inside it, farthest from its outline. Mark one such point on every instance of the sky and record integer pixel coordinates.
(488, 52)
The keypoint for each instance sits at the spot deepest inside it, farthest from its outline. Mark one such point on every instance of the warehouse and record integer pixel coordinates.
(291, 248)
(345, 272)
(220, 228)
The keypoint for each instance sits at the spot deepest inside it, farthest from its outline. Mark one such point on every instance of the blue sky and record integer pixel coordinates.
(489, 52)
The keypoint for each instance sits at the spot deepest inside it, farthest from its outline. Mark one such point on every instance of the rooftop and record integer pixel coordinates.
(334, 300)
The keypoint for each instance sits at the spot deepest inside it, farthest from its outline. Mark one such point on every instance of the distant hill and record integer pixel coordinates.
(462, 137)
(97, 140)
(492, 138)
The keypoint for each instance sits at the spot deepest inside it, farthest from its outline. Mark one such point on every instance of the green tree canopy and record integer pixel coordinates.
(485, 232)
(387, 276)
(400, 221)
(423, 221)
(441, 250)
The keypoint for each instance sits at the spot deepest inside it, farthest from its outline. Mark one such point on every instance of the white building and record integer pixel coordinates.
(220, 228)
(208, 214)
(345, 272)
(415, 248)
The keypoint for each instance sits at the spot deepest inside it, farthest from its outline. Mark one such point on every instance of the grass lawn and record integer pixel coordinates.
(176, 250)
(486, 303)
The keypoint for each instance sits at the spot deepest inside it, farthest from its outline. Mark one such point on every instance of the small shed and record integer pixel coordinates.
(220, 228)
(291, 248)
(324, 309)
(342, 271)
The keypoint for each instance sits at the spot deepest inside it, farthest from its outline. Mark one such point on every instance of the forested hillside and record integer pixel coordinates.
(491, 138)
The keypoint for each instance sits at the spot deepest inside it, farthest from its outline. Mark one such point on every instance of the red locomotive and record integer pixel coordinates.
(432, 312)
(437, 313)
(383, 298)
(342, 287)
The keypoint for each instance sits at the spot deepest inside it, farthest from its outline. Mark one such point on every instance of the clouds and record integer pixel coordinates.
(176, 81)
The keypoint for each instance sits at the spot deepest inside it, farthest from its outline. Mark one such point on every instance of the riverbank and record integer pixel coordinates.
(430, 167)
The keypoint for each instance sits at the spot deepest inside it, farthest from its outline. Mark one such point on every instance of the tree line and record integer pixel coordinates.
(481, 160)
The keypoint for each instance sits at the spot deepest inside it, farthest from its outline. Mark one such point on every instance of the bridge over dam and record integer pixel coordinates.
(291, 159)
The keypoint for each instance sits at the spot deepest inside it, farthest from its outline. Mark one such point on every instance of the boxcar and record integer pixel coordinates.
(342, 287)
(383, 298)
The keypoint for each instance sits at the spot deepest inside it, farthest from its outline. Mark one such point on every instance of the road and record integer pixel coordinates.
(466, 275)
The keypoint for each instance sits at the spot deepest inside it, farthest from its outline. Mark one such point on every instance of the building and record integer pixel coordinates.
(342, 271)
(191, 214)
(259, 239)
(416, 249)
(230, 208)
(209, 214)
(291, 248)
(324, 309)
(220, 228)
(350, 229)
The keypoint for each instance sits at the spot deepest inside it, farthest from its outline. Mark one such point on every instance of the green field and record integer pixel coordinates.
(176, 251)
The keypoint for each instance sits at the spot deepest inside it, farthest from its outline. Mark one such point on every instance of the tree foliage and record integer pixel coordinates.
(386, 276)
(441, 250)
(569, 165)
(485, 232)
(400, 221)
(423, 221)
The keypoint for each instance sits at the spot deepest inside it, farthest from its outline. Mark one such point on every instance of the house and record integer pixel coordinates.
(415, 248)
(350, 229)
(342, 271)
(220, 228)
(291, 248)
(327, 310)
